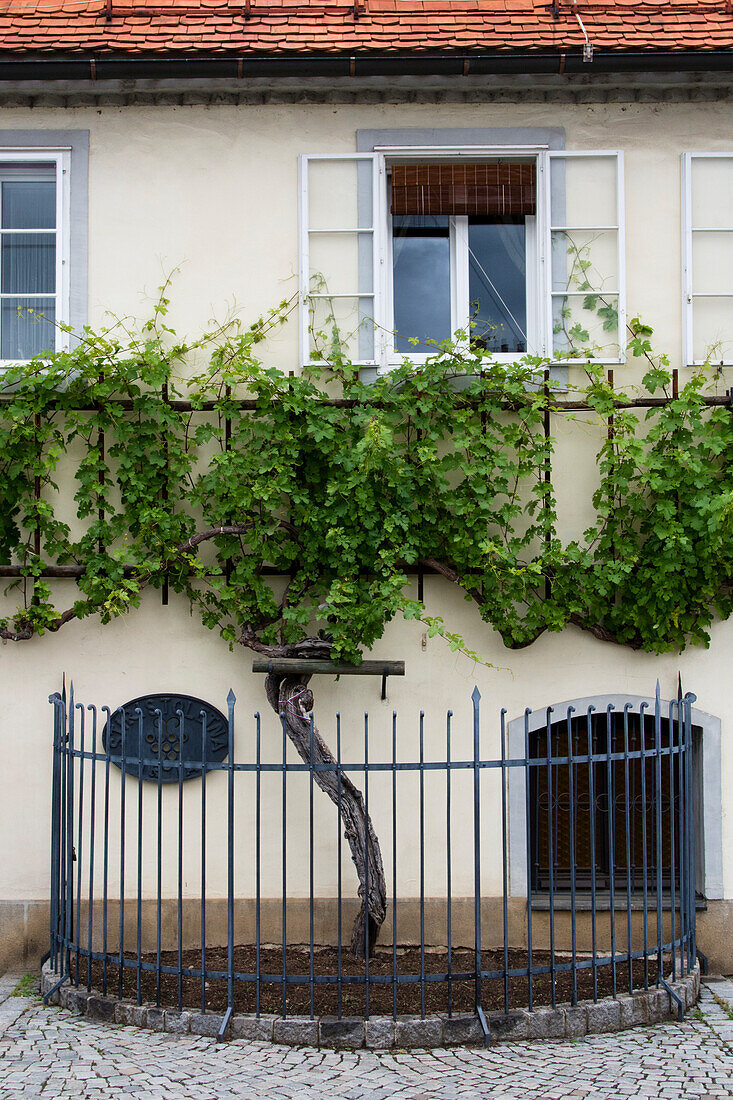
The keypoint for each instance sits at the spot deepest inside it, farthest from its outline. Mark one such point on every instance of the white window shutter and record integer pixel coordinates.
(340, 271)
(584, 255)
(707, 257)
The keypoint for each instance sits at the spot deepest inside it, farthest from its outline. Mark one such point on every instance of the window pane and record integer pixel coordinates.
(341, 263)
(712, 329)
(583, 191)
(342, 326)
(28, 204)
(340, 194)
(712, 192)
(24, 334)
(497, 286)
(578, 328)
(585, 261)
(28, 263)
(421, 260)
(712, 262)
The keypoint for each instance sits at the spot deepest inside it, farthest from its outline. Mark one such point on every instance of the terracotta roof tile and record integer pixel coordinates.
(383, 26)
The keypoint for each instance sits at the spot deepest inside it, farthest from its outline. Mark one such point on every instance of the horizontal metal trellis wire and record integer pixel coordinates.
(558, 868)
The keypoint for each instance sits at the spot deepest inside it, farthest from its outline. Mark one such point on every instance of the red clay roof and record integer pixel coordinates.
(283, 27)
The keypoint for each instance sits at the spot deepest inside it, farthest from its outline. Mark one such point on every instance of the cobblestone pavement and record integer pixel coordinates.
(50, 1053)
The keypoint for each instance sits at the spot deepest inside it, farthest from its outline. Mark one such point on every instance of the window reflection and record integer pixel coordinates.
(497, 284)
(27, 264)
(421, 263)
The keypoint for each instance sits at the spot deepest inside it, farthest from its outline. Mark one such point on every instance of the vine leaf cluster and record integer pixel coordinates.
(295, 518)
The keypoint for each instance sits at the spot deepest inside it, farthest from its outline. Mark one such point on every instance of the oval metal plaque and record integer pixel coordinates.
(163, 730)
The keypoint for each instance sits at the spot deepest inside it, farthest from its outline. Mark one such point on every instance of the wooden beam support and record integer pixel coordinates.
(294, 665)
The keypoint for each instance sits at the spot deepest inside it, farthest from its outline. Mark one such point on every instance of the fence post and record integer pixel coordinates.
(476, 697)
(689, 814)
(92, 827)
(70, 853)
(658, 826)
(231, 700)
(59, 940)
(56, 702)
(528, 841)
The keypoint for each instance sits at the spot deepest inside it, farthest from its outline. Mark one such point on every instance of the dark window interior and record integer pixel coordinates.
(600, 805)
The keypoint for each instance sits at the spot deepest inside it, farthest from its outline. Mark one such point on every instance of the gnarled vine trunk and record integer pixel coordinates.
(291, 697)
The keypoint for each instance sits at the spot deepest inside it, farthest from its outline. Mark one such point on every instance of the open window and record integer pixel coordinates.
(707, 220)
(522, 249)
(33, 252)
(461, 234)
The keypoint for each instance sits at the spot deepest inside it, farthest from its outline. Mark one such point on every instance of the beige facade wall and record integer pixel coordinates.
(213, 190)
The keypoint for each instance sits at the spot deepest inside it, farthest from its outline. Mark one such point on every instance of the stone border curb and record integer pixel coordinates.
(627, 1010)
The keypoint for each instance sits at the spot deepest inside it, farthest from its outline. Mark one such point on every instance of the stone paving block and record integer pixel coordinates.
(178, 1023)
(664, 1010)
(576, 1021)
(547, 1023)
(669, 1007)
(127, 1013)
(100, 1008)
(462, 1030)
(626, 1005)
(296, 1031)
(248, 1026)
(412, 1032)
(604, 1016)
(641, 1008)
(156, 1019)
(514, 1025)
(379, 1032)
(11, 1009)
(344, 1034)
(206, 1023)
(650, 1006)
(76, 1000)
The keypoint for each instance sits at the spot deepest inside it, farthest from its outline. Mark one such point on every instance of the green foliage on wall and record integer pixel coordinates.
(444, 465)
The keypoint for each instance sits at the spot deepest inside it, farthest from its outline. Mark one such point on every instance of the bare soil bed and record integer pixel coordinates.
(456, 995)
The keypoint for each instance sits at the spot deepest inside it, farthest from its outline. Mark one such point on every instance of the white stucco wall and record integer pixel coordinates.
(213, 189)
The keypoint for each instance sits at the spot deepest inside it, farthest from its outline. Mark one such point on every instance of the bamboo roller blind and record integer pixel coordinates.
(478, 189)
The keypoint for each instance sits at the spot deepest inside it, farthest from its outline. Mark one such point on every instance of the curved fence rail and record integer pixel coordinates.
(193, 865)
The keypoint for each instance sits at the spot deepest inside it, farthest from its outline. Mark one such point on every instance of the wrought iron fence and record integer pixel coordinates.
(560, 867)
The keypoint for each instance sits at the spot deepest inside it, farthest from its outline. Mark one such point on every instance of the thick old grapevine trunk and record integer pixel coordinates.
(291, 697)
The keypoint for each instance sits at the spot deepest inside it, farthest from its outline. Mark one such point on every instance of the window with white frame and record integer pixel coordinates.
(522, 249)
(461, 239)
(33, 252)
(707, 205)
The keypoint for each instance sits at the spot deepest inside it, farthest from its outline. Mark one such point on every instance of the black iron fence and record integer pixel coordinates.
(557, 867)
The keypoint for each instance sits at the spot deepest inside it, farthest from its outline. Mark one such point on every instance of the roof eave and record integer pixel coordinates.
(87, 65)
